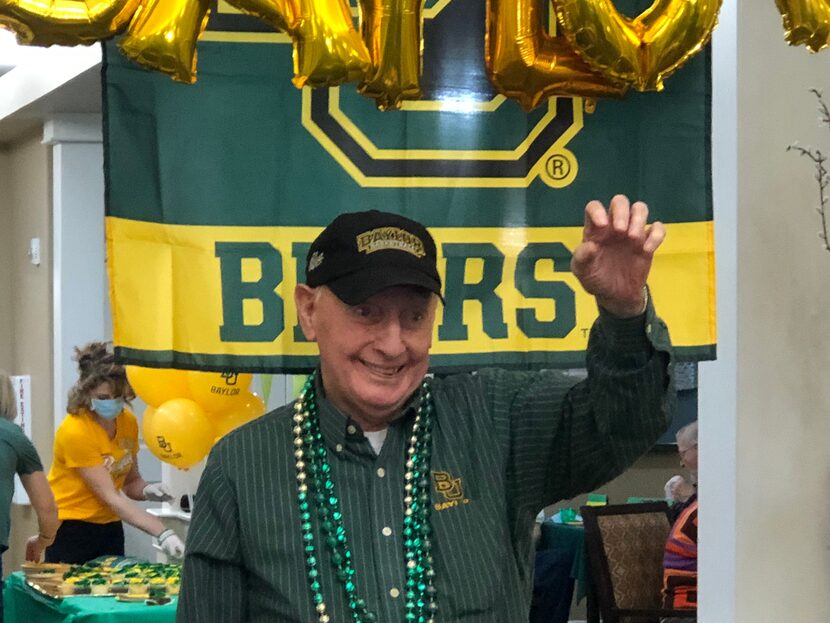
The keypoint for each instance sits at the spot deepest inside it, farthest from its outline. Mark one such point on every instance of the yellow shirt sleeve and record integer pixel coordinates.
(75, 443)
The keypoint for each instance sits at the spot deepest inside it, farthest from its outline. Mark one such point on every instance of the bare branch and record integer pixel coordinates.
(822, 107)
(819, 160)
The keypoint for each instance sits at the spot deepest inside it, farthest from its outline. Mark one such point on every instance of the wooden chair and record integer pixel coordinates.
(625, 545)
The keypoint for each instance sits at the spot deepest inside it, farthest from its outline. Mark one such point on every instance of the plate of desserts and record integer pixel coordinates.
(107, 576)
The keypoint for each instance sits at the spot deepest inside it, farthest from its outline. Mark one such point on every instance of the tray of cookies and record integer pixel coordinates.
(107, 576)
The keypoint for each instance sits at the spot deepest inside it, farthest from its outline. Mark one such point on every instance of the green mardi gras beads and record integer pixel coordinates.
(316, 489)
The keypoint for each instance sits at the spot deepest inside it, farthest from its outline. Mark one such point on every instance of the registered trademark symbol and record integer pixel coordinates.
(558, 167)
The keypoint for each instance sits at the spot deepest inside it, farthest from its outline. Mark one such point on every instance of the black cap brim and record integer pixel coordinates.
(358, 286)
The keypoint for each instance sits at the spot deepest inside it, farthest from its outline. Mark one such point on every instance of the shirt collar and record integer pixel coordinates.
(335, 426)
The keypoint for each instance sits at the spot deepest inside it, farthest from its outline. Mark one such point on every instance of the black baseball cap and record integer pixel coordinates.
(361, 253)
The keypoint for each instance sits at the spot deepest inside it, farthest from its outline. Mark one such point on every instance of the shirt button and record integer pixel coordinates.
(394, 592)
(339, 447)
(351, 429)
(387, 531)
(381, 472)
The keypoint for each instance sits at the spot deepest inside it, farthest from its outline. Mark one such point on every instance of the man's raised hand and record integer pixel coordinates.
(614, 259)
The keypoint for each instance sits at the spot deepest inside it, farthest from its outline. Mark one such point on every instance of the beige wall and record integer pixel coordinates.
(5, 262)
(25, 206)
(645, 478)
(783, 318)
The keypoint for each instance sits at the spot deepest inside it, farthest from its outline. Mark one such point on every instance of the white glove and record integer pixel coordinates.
(171, 544)
(157, 492)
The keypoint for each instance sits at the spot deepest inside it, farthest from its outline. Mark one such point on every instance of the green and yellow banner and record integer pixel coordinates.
(215, 191)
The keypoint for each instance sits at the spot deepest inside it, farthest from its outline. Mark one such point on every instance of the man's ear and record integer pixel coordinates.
(305, 299)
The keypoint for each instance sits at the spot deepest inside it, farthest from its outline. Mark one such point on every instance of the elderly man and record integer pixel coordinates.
(383, 495)
(679, 490)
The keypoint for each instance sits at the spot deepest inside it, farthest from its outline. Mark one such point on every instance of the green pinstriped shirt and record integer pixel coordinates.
(505, 445)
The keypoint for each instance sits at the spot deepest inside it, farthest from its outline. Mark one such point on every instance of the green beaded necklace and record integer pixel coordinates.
(316, 494)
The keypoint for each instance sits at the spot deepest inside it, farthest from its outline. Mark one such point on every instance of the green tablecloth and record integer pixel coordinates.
(571, 539)
(22, 604)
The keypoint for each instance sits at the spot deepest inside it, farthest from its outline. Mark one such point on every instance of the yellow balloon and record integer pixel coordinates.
(525, 63)
(642, 51)
(392, 33)
(806, 22)
(217, 391)
(65, 22)
(157, 385)
(327, 48)
(247, 407)
(162, 35)
(178, 432)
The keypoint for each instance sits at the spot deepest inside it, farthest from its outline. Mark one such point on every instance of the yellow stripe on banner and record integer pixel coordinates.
(166, 287)
(244, 37)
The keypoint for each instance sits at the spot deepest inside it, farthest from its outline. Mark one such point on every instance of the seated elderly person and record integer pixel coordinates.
(681, 491)
(680, 559)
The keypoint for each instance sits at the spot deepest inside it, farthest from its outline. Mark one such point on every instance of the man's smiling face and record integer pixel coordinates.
(373, 355)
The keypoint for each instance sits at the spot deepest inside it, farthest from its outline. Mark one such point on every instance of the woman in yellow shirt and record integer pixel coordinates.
(94, 472)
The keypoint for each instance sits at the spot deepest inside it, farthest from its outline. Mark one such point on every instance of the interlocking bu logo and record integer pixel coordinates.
(227, 389)
(230, 378)
(167, 447)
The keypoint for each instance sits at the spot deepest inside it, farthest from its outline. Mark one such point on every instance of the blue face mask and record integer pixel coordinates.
(108, 408)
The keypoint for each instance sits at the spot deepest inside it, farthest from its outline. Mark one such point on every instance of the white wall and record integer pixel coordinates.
(717, 392)
(5, 260)
(80, 301)
(783, 333)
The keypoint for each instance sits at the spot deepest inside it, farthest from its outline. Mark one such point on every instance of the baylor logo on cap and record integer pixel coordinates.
(394, 238)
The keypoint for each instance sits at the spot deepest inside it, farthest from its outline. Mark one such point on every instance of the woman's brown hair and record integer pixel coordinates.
(97, 365)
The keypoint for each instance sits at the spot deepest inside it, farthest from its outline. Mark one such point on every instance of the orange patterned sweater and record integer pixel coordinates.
(680, 561)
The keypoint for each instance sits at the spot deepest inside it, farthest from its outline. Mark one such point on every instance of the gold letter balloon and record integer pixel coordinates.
(806, 22)
(327, 48)
(643, 51)
(392, 32)
(525, 63)
(162, 35)
(597, 53)
(65, 22)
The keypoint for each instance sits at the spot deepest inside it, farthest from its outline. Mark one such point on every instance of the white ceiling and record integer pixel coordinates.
(38, 83)
(12, 54)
